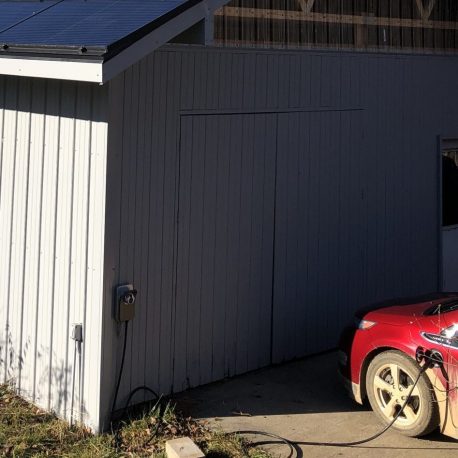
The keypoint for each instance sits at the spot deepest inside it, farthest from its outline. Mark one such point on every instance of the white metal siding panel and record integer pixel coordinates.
(356, 201)
(95, 229)
(52, 200)
(140, 242)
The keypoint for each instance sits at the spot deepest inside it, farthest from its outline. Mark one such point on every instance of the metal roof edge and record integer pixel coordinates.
(118, 46)
(158, 37)
(92, 65)
(69, 52)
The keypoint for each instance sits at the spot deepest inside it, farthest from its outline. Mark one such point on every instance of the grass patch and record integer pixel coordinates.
(26, 430)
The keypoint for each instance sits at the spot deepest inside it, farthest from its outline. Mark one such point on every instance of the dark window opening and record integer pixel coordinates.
(450, 187)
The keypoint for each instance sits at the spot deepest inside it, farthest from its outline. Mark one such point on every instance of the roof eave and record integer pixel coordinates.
(52, 67)
(96, 66)
(156, 38)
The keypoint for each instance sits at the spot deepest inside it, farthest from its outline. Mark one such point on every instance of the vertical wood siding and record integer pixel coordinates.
(257, 198)
(52, 187)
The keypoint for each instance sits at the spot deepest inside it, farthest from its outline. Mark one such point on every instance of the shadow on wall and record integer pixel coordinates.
(48, 93)
(3, 376)
(56, 388)
(16, 358)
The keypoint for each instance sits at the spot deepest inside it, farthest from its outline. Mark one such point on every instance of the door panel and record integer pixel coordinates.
(271, 239)
(319, 235)
(225, 246)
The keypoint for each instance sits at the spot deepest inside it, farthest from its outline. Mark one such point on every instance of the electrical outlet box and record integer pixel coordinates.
(126, 312)
(77, 332)
(125, 302)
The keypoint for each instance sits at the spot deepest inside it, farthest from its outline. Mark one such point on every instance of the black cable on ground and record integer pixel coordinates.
(287, 442)
(293, 444)
(136, 390)
(428, 360)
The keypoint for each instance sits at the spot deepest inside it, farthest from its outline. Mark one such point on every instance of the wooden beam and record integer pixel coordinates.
(306, 5)
(312, 45)
(425, 13)
(258, 13)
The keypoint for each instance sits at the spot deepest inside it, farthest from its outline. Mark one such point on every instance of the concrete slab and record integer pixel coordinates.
(183, 447)
(304, 400)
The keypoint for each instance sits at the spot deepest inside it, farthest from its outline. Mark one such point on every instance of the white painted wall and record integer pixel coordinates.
(52, 203)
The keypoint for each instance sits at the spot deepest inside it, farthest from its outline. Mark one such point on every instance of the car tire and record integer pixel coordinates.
(389, 379)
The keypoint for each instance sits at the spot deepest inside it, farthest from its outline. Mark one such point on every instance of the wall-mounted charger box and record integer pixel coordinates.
(125, 302)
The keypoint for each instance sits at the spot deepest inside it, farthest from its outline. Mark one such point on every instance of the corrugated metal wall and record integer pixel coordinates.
(224, 248)
(256, 198)
(319, 229)
(52, 188)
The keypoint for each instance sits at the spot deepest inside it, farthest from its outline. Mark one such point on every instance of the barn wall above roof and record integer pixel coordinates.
(425, 26)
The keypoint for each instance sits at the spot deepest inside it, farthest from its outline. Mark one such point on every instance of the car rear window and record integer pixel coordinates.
(444, 307)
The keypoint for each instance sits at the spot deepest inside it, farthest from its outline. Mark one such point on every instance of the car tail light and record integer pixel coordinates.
(447, 337)
(364, 324)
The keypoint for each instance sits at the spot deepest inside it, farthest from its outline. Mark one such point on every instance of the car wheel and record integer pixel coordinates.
(389, 380)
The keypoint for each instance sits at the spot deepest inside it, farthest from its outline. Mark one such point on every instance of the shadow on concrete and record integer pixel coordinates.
(303, 401)
(310, 385)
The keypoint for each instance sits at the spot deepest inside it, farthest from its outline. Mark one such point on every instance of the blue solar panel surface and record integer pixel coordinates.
(89, 23)
(13, 12)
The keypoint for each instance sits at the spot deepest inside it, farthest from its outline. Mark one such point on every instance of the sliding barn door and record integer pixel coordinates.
(319, 230)
(225, 246)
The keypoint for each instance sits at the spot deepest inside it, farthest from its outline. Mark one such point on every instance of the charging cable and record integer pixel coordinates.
(121, 370)
(429, 360)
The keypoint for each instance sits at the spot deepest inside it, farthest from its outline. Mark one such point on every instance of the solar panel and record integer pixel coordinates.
(12, 12)
(80, 23)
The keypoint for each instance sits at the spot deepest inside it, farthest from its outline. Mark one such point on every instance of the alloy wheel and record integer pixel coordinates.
(392, 385)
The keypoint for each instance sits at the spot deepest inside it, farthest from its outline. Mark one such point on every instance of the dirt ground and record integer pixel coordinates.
(304, 400)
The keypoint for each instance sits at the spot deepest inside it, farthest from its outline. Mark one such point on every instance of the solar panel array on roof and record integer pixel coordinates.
(13, 12)
(97, 25)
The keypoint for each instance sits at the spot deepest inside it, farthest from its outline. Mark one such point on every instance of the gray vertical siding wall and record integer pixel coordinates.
(52, 200)
(256, 198)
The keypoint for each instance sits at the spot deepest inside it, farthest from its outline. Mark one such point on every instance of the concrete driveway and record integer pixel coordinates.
(304, 400)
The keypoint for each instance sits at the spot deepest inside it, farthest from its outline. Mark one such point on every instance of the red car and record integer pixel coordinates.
(380, 357)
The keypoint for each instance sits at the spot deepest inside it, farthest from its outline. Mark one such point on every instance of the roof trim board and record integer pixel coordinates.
(53, 68)
(56, 63)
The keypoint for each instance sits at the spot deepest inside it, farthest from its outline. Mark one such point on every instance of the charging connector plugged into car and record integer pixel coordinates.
(430, 358)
